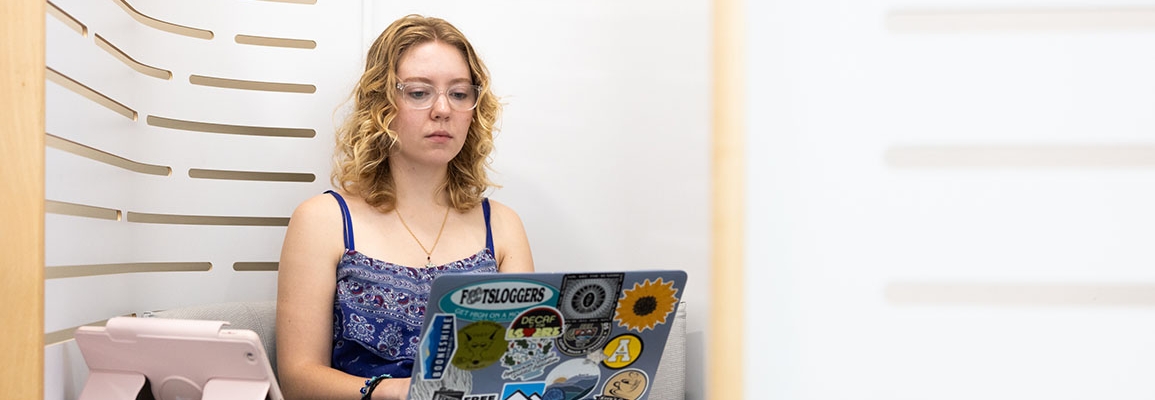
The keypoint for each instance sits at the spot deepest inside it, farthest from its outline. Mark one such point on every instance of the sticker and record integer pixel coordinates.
(543, 322)
(526, 359)
(628, 384)
(491, 396)
(646, 305)
(438, 346)
(622, 351)
(480, 344)
(573, 379)
(453, 379)
(497, 300)
(447, 394)
(522, 391)
(589, 297)
(580, 339)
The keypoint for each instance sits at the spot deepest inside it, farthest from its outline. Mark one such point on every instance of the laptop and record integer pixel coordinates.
(545, 336)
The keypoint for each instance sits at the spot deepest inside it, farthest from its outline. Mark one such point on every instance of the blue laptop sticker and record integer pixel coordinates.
(523, 391)
(573, 379)
(438, 345)
(500, 300)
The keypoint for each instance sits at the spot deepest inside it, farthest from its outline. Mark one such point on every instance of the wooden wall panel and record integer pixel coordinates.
(22, 198)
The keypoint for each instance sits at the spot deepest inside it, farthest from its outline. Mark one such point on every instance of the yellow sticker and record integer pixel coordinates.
(479, 345)
(646, 305)
(622, 350)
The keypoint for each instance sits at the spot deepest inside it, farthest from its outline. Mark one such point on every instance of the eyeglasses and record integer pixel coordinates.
(420, 96)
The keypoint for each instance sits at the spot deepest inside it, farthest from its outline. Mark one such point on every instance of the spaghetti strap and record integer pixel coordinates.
(488, 229)
(347, 219)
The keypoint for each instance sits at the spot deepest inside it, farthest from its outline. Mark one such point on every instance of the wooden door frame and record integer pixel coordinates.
(725, 365)
(22, 198)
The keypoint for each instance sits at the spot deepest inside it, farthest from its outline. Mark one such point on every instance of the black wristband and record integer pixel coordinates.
(370, 384)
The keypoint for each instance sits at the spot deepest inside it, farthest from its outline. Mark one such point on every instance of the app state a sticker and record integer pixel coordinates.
(622, 350)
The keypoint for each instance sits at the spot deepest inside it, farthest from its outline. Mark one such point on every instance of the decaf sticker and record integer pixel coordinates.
(480, 344)
(628, 384)
(646, 305)
(542, 322)
(581, 339)
(622, 351)
(589, 297)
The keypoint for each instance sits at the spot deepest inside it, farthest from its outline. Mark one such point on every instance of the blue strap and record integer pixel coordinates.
(488, 229)
(348, 221)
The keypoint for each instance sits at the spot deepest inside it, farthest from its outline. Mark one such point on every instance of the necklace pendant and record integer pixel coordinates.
(429, 264)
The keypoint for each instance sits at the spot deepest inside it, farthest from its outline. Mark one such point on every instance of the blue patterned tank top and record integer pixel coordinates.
(379, 306)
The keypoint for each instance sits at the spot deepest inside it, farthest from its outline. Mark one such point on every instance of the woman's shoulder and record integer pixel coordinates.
(502, 212)
(513, 252)
(325, 206)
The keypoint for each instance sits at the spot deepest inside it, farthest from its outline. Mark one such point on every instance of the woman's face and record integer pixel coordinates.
(435, 135)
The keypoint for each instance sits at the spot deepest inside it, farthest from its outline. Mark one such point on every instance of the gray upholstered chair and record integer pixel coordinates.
(260, 317)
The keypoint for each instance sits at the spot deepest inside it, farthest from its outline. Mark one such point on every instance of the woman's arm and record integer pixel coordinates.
(306, 283)
(513, 254)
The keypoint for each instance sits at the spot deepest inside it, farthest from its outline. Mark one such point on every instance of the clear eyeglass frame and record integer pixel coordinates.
(429, 95)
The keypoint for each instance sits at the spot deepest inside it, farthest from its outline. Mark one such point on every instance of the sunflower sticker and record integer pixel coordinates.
(646, 305)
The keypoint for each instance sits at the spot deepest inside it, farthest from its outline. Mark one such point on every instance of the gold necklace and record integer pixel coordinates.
(428, 253)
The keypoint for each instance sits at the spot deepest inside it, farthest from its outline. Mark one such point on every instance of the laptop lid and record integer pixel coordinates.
(545, 336)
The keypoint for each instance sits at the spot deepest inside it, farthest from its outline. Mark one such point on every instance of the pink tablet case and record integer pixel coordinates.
(181, 360)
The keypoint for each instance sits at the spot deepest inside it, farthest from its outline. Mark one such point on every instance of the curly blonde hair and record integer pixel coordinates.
(365, 141)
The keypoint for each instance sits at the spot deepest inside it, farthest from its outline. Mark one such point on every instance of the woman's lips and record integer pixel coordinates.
(439, 136)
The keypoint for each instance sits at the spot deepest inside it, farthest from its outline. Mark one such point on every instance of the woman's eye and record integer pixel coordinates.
(417, 94)
(460, 94)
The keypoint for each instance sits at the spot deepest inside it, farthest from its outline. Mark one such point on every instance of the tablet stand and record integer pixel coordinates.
(173, 359)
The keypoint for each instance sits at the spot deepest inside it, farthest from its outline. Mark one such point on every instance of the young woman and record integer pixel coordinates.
(357, 263)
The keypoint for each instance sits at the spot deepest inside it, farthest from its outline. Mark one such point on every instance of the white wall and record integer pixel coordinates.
(950, 200)
(124, 266)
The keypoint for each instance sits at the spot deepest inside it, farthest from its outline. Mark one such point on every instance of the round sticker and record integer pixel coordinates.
(579, 339)
(622, 350)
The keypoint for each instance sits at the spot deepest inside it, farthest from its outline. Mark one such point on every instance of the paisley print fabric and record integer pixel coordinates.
(379, 308)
